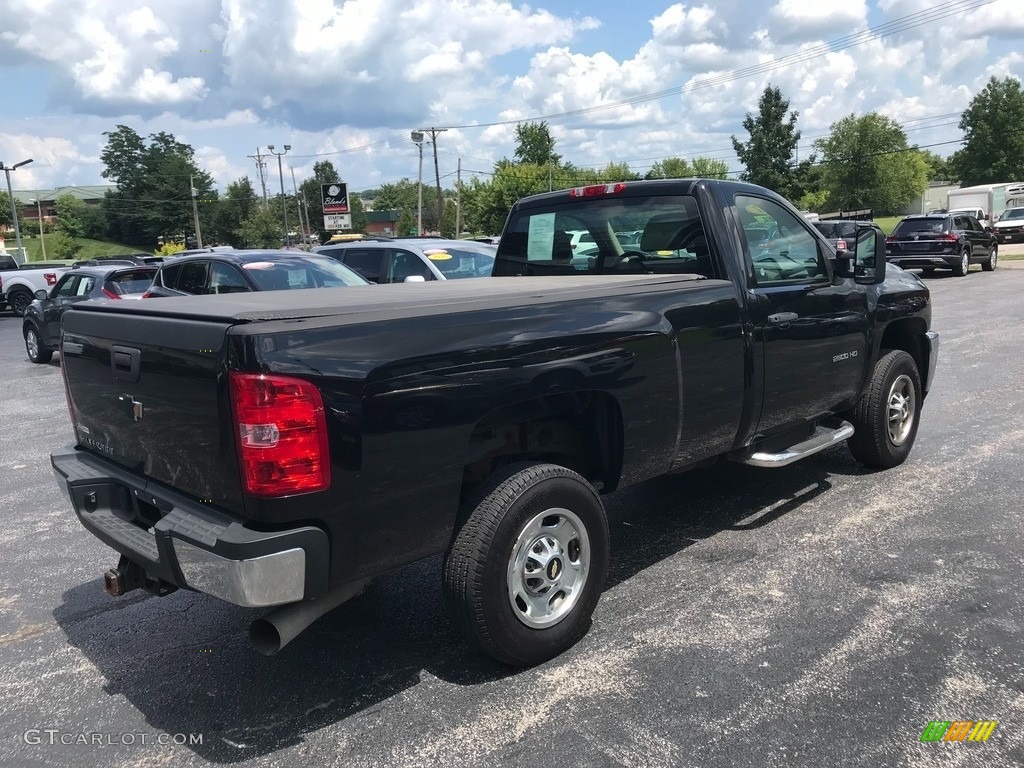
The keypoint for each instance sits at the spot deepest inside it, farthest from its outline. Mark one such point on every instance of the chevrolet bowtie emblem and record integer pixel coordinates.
(136, 406)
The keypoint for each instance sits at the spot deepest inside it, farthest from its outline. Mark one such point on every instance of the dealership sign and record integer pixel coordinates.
(334, 197)
(337, 221)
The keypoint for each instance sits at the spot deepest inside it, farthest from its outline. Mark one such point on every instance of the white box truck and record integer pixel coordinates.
(986, 201)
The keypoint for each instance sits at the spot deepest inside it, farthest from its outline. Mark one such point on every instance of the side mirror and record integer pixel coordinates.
(41, 294)
(415, 279)
(866, 262)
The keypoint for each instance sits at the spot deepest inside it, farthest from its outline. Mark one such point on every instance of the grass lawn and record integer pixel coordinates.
(887, 223)
(90, 248)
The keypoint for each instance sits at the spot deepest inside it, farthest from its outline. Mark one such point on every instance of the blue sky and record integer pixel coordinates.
(348, 80)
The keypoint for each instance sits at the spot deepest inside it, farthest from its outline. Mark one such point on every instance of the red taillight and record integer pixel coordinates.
(50, 277)
(109, 293)
(948, 238)
(597, 190)
(148, 295)
(891, 239)
(281, 432)
(840, 245)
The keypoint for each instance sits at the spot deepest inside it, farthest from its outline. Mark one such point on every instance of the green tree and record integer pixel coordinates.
(62, 245)
(5, 211)
(70, 213)
(938, 166)
(535, 145)
(709, 168)
(93, 222)
(260, 229)
(768, 154)
(670, 168)
(993, 148)
(868, 164)
(234, 208)
(153, 196)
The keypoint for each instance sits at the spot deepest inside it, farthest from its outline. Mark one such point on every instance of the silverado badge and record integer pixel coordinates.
(135, 405)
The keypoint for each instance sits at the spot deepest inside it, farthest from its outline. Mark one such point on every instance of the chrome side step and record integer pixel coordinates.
(823, 437)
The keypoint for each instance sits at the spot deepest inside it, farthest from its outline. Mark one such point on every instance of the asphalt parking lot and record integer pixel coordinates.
(815, 615)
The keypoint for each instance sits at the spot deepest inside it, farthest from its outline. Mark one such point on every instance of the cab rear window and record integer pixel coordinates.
(598, 236)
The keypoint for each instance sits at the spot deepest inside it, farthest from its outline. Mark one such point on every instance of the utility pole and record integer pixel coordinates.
(284, 207)
(14, 210)
(305, 206)
(42, 235)
(260, 165)
(195, 214)
(417, 137)
(458, 200)
(298, 208)
(437, 175)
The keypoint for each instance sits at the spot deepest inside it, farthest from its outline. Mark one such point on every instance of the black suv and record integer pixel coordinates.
(948, 241)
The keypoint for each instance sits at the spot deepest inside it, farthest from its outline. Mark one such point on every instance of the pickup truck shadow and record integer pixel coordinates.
(184, 662)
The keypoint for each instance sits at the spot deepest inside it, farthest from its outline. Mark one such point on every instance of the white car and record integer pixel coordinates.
(1010, 227)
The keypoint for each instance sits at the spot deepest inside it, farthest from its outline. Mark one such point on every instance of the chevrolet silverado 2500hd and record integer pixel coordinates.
(282, 448)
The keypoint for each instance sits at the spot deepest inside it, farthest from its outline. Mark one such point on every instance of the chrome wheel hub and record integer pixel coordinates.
(900, 410)
(548, 568)
(32, 342)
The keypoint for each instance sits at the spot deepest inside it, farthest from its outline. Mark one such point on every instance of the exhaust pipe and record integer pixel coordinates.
(282, 625)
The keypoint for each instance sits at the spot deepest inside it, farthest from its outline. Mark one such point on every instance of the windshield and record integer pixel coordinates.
(301, 272)
(460, 262)
(1012, 213)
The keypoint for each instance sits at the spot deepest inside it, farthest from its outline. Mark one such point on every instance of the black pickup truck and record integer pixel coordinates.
(282, 449)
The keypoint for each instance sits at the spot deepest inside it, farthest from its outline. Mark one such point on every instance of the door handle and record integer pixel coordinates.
(783, 318)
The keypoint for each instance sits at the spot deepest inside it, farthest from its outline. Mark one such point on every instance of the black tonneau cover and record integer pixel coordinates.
(376, 302)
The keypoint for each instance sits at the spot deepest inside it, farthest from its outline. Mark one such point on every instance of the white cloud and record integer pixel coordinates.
(329, 76)
(798, 20)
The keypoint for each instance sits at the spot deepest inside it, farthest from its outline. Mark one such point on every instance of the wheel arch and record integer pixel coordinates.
(907, 334)
(581, 430)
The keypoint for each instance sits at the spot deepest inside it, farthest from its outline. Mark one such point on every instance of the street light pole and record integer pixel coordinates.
(417, 137)
(284, 206)
(14, 210)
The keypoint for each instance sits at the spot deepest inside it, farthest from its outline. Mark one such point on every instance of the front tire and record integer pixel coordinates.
(18, 300)
(963, 266)
(886, 418)
(527, 566)
(37, 352)
(993, 258)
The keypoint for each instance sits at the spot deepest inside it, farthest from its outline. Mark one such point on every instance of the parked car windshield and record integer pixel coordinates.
(1012, 213)
(460, 262)
(301, 272)
(910, 226)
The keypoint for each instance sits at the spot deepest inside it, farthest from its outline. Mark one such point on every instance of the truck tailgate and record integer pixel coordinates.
(149, 393)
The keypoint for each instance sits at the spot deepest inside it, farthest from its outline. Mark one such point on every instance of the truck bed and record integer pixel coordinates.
(378, 302)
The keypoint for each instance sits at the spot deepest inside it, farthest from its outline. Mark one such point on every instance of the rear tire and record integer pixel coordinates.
(526, 567)
(993, 258)
(18, 300)
(888, 413)
(963, 266)
(37, 352)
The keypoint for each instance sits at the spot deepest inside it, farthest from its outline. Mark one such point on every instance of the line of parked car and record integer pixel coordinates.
(226, 270)
(948, 240)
